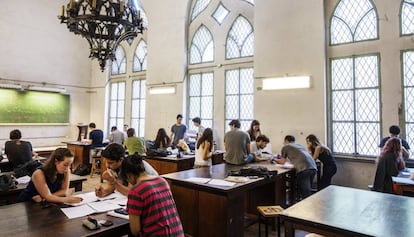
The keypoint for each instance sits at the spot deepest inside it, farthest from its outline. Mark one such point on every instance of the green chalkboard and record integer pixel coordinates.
(33, 107)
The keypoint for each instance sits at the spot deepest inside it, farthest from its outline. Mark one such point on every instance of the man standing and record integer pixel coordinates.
(237, 145)
(197, 123)
(177, 131)
(303, 162)
(116, 136)
(395, 132)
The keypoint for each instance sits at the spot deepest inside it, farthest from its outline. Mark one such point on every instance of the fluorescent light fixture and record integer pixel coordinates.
(11, 86)
(162, 90)
(285, 83)
(48, 89)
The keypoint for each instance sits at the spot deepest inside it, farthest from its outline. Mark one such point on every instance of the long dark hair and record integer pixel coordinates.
(162, 138)
(315, 142)
(49, 167)
(207, 136)
(251, 130)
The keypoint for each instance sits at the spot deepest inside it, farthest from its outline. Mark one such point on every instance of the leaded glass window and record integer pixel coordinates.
(138, 107)
(201, 97)
(352, 21)
(250, 1)
(119, 64)
(202, 46)
(240, 39)
(355, 105)
(199, 6)
(408, 80)
(239, 96)
(220, 13)
(407, 17)
(117, 104)
(140, 57)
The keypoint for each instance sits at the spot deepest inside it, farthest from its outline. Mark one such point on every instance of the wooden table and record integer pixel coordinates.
(210, 210)
(404, 184)
(29, 219)
(10, 196)
(80, 151)
(341, 211)
(165, 165)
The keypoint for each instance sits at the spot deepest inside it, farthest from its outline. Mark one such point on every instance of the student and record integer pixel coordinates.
(51, 182)
(394, 131)
(116, 136)
(200, 128)
(18, 152)
(324, 154)
(258, 145)
(178, 130)
(303, 162)
(162, 140)
(254, 130)
(151, 207)
(389, 164)
(134, 144)
(237, 145)
(114, 155)
(203, 152)
(96, 136)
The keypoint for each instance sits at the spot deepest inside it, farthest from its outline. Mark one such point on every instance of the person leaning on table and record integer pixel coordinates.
(51, 182)
(114, 155)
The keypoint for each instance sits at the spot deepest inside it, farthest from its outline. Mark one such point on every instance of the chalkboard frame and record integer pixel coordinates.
(19, 107)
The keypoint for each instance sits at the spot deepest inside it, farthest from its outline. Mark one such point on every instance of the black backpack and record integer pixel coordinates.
(27, 168)
(7, 182)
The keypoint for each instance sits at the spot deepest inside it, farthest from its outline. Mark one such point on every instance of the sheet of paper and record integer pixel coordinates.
(198, 180)
(87, 198)
(78, 211)
(220, 182)
(103, 206)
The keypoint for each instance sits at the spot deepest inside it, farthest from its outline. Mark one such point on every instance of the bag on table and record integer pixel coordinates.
(7, 182)
(27, 168)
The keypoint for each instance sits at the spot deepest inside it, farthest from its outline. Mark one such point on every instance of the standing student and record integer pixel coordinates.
(200, 128)
(114, 177)
(116, 136)
(96, 136)
(151, 207)
(203, 152)
(134, 144)
(51, 182)
(254, 130)
(303, 162)
(178, 130)
(324, 154)
(237, 145)
(394, 131)
(18, 152)
(390, 163)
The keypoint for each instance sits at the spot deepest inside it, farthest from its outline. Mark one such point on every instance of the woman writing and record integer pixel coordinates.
(51, 182)
(324, 154)
(389, 164)
(162, 140)
(151, 207)
(203, 149)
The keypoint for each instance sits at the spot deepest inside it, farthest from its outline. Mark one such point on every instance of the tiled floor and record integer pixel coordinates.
(251, 231)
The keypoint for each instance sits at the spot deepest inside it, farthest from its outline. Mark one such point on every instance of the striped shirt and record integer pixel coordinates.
(152, 200)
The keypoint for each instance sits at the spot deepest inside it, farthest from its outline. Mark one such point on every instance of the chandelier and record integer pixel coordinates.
(104, 23)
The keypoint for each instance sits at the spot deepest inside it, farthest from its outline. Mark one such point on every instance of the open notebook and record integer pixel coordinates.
(92, 204)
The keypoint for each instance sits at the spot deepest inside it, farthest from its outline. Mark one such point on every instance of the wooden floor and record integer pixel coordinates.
(251, 231)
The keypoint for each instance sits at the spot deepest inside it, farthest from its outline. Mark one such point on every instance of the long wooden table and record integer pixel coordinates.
(341, 211)
(211, 210)
(29, 219)
(10, 196)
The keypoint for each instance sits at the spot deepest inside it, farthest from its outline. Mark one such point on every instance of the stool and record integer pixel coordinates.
(267, 213)
(94, 167)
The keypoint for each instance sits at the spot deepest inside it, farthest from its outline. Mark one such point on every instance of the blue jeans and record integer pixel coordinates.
(304, 181)
(249, 158)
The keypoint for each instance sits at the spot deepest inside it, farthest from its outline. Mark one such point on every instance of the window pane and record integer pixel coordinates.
(199, 6)
(202, 46)
(407, 17)
(240, 42)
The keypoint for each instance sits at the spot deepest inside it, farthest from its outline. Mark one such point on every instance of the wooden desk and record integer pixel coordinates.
(80, 151)
(29, 219)
(403, 184)
(341, 211)
(210, 210)
(10, 196)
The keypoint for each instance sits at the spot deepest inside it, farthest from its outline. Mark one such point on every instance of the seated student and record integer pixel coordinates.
(51, 182)
(114, 155)
(151, 207)
(95, 136)
(134, 144)
(257, 146)
(390, 163)
(18, 152)
(395, 132)
(162, 140)
(203, 152)
(303, 162)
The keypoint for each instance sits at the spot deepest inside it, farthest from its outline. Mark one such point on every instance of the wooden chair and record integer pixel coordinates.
(266, 214)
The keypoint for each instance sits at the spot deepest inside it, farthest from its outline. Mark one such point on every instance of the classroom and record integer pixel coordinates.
(213, 59)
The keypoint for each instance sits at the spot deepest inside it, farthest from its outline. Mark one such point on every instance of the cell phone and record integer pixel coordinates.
(121, 211)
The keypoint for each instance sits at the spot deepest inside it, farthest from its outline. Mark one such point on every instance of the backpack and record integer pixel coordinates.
(27, 168)
(158, 153)
(7, 182)
(82, 170)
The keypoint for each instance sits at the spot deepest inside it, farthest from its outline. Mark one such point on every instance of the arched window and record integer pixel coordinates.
(202, 47)
(198, 7)
(140, 57)
(352, 21)
(240, 40)
(407, 17)
(119, 64)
